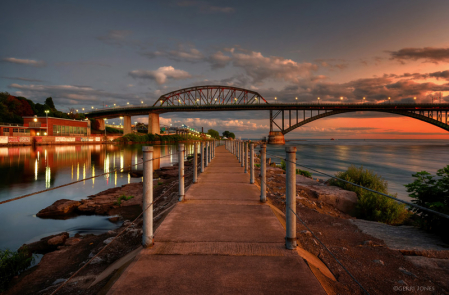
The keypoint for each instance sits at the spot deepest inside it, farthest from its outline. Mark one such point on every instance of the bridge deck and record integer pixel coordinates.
(221, 240)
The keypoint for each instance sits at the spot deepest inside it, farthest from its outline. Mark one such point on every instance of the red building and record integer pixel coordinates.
(46, 126)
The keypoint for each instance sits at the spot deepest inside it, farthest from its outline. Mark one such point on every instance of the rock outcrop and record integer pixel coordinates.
(343, 200)
(59, 208)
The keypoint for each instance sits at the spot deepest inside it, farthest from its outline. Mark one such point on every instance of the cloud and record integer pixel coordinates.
(121, 38)
(161, 75)
(27, 62)
(83, 63)
(187, 53)
(428, 54)
(71, 94)
(22, 79)
(260, 67)
(205, 7)
(219, 60)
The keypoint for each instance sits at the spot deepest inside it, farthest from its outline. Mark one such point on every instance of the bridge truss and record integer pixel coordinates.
(436, 117)
(210, 95)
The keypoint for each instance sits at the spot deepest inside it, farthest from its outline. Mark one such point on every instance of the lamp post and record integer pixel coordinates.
(318, 100)
(341, 99)
(121, 125)
(104, 126)
(414, 98)
(364, 99)
(46, 118)
(389, 100)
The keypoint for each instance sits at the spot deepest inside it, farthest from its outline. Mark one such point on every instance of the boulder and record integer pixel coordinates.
(46, 244)
(59, 208)
(343, 200)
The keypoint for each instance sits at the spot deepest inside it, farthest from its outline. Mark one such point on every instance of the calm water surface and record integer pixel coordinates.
(394, 160)
(25, 170)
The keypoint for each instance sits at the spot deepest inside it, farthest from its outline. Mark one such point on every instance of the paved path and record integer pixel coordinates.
(221, 240)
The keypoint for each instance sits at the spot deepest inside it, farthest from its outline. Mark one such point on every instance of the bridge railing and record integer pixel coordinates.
(277, 104)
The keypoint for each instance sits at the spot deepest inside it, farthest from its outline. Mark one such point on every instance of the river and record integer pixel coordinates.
(25, 170)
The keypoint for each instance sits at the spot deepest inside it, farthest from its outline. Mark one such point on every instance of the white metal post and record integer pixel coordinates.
(181, 171)
(195, 162)
(263, 173)
(290, 210)
(202, 157)
(147, 236)
(251, 166)
(206, 159)
(245, 156)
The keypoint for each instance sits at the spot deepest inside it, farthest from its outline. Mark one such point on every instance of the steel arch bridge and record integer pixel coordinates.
(227, 98)
(440, 120)
(210, 95)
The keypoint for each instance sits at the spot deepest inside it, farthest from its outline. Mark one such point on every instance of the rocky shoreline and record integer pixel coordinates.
(376, 264)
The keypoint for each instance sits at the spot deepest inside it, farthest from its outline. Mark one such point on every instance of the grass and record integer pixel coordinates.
(12, 263)
(123, 198)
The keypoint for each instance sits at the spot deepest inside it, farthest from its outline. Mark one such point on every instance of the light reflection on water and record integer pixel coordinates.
(26, 169)
(394, 160)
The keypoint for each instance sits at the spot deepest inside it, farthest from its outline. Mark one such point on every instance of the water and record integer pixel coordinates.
(25, 170)
(394, 160)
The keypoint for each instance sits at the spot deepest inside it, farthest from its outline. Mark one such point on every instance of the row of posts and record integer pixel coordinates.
(207, 153)
(240, 149)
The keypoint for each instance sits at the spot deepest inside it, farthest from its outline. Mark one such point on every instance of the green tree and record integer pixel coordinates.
(49, 102)
(213, 133)
(228, 134)
(433, 193)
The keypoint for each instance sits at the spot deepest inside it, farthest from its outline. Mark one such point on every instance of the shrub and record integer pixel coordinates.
(123, 198)
(433, 193)
(304, 173)
(11, 264)
(371, 206)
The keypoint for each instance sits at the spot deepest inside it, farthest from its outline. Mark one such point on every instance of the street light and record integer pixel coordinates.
(318, 100)
(364, 99)
(389, 100)
(104, 126)
(141, 101)
(341, 99)
(127, 103)
(83, 109)
(46, 119)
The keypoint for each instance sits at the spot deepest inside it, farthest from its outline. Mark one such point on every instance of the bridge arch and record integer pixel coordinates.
(421, 117)
(210, 95)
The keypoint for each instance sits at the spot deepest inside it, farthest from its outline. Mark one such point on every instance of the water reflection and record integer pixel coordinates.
(28, 169)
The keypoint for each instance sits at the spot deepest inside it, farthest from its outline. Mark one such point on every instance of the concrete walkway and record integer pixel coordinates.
(221, 240)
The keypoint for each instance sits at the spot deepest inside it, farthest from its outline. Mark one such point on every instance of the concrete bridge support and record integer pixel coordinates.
(276, 137)
(101, 123)
(126, 125)
(153, 123)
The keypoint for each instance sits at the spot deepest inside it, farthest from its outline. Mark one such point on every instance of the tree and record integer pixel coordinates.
(49, 102)
(228, 134)
(213, 133)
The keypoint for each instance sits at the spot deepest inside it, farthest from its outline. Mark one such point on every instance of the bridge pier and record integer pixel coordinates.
(126, 125)
(276, 137)
(153, 123)
(102, 124)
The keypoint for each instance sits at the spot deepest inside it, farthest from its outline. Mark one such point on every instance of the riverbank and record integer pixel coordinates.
(64, 255)
(378, 266)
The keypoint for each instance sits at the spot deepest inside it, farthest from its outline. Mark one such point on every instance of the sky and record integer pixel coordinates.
(95, 53)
